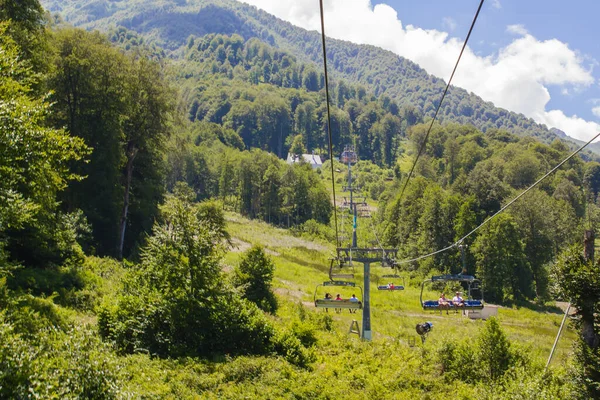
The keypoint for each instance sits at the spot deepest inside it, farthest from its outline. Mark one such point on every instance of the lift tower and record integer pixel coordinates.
(366, 256)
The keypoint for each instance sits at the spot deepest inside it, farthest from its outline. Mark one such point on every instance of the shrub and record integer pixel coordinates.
(289, 346)
(255, 274)
(177, 303)
(495, 354)
(487, 359)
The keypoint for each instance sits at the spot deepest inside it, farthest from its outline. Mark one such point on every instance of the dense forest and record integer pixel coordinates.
(170, 23)
(130, 155)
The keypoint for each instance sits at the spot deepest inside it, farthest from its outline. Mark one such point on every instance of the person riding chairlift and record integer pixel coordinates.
(338, 298)
(443, 303)
(353, 299)
(328, 297)
(459, 302)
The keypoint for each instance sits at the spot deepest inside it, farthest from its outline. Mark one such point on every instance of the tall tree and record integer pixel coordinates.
(579, 283)
(34, 159)
(120, 106)
(27, 28)
(255, 275)
(501, 262)
(149, 103)
(89, 95)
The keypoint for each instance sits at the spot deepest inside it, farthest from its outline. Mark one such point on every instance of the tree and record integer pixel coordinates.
(297, 148)
(579, 282)
(494, 350)
(254, 275)
(501, 262)
(535, 218)
(120, 105)
(149, 104)
(89, 99)
(176, 301)
(27, 29)
(34, 160)
(591, 179)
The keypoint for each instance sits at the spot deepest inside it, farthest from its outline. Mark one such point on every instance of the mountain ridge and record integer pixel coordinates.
(169, 23)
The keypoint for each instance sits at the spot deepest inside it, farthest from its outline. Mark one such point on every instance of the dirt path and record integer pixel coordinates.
(239, 246)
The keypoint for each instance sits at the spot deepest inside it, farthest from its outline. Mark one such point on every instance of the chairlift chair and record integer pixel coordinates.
(333, 303)
(335, 271)
(390, 287)
(469, 303)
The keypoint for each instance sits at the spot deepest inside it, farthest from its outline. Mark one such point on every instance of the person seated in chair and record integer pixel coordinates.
(459, 302)
(353, 299)
(338, 298)
(328, 296)
(443, 303)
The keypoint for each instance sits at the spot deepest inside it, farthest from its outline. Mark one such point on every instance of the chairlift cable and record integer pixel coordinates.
(459, 241)
(422, 147)
(337, 239)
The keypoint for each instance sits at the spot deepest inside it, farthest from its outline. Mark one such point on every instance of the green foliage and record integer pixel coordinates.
(494, 350)
(290, 347)
(578, 281)
(255, 275)
(178, 303)
(312, 229)
(501, 261)
(44, 356)
(120, 106)
(487, 359)
(34, 163)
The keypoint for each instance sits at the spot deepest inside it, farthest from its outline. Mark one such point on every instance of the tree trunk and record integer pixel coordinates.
(588, 245)
(131, 153)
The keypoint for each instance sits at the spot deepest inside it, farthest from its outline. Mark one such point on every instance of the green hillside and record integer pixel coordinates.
(154, 242)
(168, 24)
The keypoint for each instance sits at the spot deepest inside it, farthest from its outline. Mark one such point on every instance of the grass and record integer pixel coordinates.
(394, 365)
(301, 265)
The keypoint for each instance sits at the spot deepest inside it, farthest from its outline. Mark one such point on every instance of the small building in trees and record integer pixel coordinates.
(313, 159)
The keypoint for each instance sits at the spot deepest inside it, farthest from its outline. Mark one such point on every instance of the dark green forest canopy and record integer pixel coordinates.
(169, 24)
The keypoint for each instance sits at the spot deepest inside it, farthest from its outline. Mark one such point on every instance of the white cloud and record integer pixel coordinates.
(596, 111)
(449, 23)
(496, 4)
(517, 29)
(515, 77)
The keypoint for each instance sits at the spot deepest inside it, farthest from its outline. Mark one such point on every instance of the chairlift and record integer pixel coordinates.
(469, 303)
(335, 270)
(391, 286)
(333, 303)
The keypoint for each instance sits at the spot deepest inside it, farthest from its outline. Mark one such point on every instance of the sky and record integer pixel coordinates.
(536, 57)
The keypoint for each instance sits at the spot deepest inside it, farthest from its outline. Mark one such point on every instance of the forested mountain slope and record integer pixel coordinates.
(169, 23)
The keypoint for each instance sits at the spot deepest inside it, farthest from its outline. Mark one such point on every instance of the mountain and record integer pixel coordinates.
(169, 24)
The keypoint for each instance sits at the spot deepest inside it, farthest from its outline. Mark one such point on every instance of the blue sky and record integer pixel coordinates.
(574, 23)
(536, 57)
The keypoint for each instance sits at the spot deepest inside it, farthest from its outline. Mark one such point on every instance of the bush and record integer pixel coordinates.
(254, 275)
(488, 359)
(289, 346)
(312, 229)
(42, 357)
(177, 303)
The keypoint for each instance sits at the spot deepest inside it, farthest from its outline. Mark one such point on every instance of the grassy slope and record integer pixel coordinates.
(301, 267)
(386, 368)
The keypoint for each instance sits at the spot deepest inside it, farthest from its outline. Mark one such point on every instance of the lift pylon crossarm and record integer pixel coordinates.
(458, 278)
(339, 283)
(363, 255)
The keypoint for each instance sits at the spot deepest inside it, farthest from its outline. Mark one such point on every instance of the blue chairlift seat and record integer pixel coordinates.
(469, 305)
